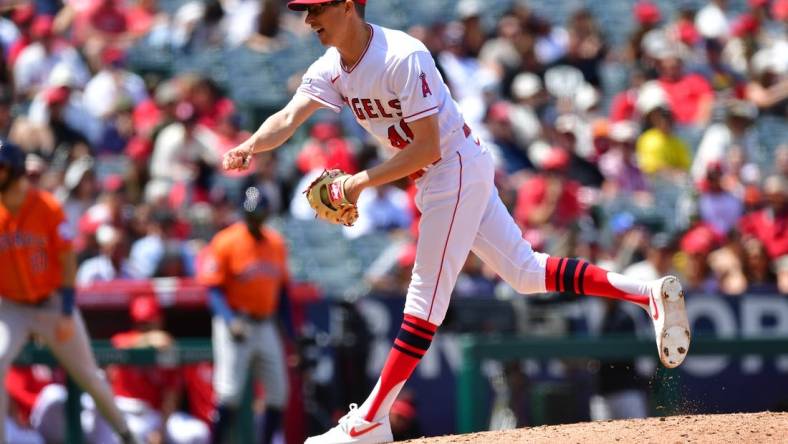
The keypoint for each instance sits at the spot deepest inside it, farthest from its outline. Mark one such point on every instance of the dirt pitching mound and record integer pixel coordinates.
(737, 428)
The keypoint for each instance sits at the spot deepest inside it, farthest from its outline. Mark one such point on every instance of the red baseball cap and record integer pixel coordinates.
(301, 5)
(145, 309)
(57, 95)
(23, 15)
(42, 26)
(647, 12)
(556, 159)
(699, 240)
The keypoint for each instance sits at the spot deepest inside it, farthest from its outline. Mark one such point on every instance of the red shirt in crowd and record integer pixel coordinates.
(210, 117)
(145, 383)
(24, 384)
(533, 193)
(771, 230)
(329, 154)
(685, 96)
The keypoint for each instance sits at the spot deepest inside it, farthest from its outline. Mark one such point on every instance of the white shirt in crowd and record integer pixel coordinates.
(105, 89)
(382, 208)
(34, 65)
(716, 145)
(75, 115)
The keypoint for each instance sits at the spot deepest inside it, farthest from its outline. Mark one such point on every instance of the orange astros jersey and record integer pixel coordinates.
(30, 245)
(250, 273)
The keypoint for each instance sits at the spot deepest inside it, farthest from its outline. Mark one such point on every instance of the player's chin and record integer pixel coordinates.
(322, 36)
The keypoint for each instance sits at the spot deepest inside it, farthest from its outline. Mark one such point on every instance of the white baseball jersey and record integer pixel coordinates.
(393, 83)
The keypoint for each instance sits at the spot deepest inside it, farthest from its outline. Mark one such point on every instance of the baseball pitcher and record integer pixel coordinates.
(390, 82)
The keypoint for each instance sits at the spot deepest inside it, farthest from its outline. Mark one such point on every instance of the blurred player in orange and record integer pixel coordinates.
(37, 269)
(245, 267)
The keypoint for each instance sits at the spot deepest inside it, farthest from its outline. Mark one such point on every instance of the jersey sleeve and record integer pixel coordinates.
(416, 81)
(318, 84)
(211, 266)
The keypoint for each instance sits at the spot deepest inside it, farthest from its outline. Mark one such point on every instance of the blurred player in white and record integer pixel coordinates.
(390, 82)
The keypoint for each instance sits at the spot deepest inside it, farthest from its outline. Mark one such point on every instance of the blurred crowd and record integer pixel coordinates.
(671, 158)
(665, 153)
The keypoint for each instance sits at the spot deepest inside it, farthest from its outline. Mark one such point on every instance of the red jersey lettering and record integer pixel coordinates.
(367, 104)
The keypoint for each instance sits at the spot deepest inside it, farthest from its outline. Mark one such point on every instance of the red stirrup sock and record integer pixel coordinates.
(409, 347)
(580, 277)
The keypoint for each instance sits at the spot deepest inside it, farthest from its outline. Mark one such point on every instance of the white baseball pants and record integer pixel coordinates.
(462, 212)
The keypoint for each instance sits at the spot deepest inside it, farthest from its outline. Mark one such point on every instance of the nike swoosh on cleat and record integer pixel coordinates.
(356, 433)
(656, 309)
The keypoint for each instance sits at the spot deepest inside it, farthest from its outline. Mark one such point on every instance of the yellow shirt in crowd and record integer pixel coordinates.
(658, 151)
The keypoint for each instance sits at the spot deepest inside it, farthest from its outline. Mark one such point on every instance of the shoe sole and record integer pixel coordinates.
(673, 339)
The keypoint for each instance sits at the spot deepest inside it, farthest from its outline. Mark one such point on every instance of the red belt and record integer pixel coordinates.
(465, 129)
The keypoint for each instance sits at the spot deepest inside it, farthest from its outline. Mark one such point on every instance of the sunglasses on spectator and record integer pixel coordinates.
(321, 7)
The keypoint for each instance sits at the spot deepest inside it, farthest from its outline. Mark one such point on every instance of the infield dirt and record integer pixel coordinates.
(735, 428)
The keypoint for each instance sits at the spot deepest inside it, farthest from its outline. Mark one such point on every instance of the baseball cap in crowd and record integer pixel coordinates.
(699, 240)
(107, 235)
(469, 8)
(23, 15)
(650, 97)
(42, 26)
(646, 13)
(747, 24)
(556, 160)
(563, 81)
(145, 309)
(526, 85)
(62, 75)
(499, 112)
(624, 131)
(76, 171)
(57, 95)
(301, 5)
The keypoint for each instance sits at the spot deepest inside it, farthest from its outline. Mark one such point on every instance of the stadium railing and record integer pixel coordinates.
(472, 415)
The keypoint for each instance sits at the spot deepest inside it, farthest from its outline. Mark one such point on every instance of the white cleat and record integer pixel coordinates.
(354, 429)
(666, 309)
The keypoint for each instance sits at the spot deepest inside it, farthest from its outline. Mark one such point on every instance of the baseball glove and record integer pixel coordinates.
(326, 195)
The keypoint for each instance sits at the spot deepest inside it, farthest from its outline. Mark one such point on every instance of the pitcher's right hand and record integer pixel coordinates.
(239, 157)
